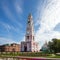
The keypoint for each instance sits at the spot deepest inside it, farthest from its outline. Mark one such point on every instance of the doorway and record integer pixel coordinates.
(25, 48)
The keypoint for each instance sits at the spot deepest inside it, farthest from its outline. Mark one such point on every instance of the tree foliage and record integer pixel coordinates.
(54, 45)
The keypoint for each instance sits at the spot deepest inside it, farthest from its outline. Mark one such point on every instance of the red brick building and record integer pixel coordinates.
(10, 47)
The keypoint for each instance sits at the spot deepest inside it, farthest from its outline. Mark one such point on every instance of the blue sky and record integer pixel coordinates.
(14, 14)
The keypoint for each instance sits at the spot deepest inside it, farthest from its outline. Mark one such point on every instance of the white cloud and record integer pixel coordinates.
(6, 40)
(9, 14)
(5, 26)
(18, 6)
(8, 27)
(49, 19)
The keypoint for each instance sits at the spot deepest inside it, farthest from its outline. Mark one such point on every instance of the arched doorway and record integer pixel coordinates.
(25, 48)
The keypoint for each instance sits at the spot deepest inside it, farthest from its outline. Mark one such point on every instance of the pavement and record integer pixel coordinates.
(37, 58)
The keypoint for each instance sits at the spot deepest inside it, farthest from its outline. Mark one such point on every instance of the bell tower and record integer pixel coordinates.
(30, 29)
(29, 45)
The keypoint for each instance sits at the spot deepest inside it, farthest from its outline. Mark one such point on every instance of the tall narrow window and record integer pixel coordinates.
(27, 37)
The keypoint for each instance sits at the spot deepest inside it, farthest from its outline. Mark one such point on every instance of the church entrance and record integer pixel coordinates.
(25, 48)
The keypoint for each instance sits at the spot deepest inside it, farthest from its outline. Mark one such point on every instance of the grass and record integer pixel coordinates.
(29, 54)
(53, 56)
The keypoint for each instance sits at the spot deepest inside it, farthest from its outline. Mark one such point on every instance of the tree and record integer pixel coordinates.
(54, 45)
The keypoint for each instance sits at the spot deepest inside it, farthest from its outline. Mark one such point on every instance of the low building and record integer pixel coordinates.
(10, 47)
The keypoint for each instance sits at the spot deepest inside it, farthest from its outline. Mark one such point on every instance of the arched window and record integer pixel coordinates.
(27, 37)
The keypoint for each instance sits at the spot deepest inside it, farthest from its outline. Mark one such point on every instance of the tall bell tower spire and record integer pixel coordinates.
(29, 45)
(30, 29)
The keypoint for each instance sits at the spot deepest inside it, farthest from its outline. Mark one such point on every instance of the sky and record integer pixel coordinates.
(14, 16)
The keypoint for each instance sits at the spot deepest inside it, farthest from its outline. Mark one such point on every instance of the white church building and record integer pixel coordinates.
(29, 45)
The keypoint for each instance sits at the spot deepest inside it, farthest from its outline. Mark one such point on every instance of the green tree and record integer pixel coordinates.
(54, 45)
